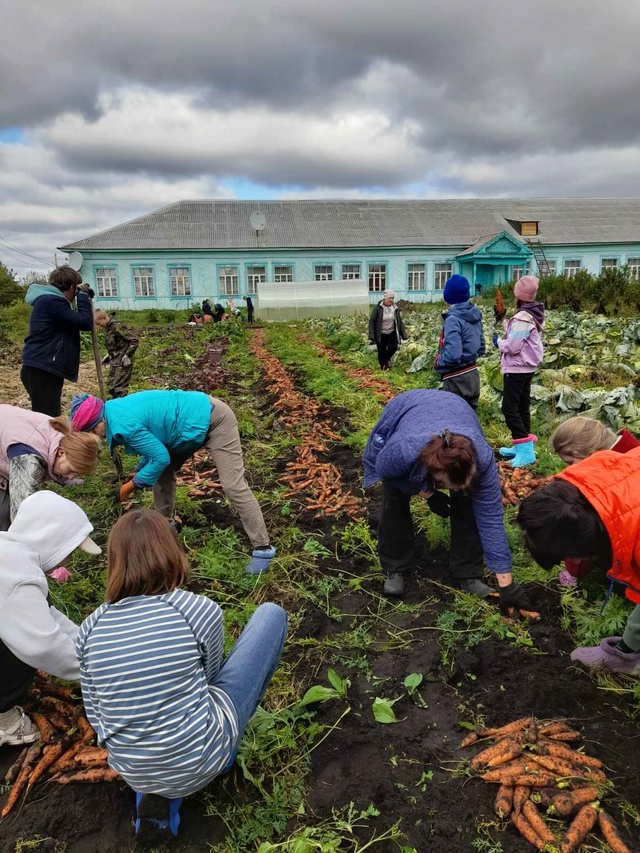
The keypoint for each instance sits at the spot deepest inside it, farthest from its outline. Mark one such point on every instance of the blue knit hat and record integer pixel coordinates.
(456, 290)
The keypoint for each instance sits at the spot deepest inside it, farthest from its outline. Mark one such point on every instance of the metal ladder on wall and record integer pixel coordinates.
(544, 267)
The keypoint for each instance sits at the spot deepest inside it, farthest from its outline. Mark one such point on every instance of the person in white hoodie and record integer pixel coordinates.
(46, 530)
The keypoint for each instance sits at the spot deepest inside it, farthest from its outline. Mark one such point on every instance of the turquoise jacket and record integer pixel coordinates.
(157, 425)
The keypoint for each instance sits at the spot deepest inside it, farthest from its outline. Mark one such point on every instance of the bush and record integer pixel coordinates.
(613, 292)
(153, 316)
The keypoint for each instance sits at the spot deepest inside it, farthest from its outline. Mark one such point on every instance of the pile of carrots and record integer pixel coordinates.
(65, 751)
(198, 473)
(318, 484)
(518, 483)
(364, 378)
(538, 770)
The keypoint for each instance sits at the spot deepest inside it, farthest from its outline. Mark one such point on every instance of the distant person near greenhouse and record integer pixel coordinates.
(249, 302)
(121, 345)
(386, 329)
(461, 342)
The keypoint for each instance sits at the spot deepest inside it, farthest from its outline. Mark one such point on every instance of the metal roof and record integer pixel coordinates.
(316, 224)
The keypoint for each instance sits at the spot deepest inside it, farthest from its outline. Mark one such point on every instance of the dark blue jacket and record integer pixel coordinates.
(462, 338)
(53, 342)
(407, 425)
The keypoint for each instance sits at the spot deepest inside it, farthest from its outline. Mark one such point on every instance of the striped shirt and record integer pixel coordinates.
(146, 667)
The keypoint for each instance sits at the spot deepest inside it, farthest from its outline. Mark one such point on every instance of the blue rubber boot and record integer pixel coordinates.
(524, 455)
(507, 452)
(260, 560)
(156, 818)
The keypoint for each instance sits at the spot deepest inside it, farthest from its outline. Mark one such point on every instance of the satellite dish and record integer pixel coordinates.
(258, 220)
(75, 261)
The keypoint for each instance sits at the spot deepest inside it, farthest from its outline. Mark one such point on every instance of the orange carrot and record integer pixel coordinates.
(611, 835)
(566, 736)
(92, 775)
(582, 825)
(91, 755)
(531, 780)
(557, 766)
(559, 750)
(509, 729)
(471, 738)
(527, 831)
(566, 803)
(544, 796)
(520, 795)
(505, 757)
(59, 705)
(502, 747)
(64, 693)
(86, 729)
(555, 728)
(66, 762)
(47, 731)
(12, 772)
(532, 815)
(504, 801)
(50, 755)
(506, 773)
(23, 777)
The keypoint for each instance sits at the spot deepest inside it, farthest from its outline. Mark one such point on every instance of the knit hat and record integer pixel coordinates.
(456, 290)
(526, 288)
(389, 294)
(86, 412)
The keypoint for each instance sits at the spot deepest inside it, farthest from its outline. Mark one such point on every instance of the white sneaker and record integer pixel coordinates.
(16, 728)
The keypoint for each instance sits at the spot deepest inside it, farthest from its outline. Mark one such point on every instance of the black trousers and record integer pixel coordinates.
(44, 389)
(396, 538)
(15, 679)
(467, 386)
(516, 403)
(387, 346)
(249, 315)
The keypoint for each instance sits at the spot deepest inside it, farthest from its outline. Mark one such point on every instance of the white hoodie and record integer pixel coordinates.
(46, 529)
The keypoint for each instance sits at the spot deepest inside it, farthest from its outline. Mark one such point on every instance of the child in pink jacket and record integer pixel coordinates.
(521, 353)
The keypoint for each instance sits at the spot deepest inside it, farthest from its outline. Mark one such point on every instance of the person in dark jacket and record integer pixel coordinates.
(386, 329)
(218, 312)
(249, 302)
(206, 308)
(51, 350)
(461, 342)
(424, 442)
(121, 344)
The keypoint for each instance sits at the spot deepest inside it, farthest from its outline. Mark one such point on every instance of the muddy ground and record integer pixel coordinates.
(405, 770)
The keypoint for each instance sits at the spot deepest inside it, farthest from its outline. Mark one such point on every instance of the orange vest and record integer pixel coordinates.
(610, 481)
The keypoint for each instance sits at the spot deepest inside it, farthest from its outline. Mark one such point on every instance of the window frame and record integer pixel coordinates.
(615, 258)
(344, 264)
(384, 264)
(409, 272)
(574, 270)
(265, 266)
(275, 264)
(436, 271)
(326, 265)
(151, 267)
(219, 268)
(634, 268)
(170, 268)
(113, 267)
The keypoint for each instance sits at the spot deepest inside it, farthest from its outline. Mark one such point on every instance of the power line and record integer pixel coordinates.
(14, 256)
(22, 252)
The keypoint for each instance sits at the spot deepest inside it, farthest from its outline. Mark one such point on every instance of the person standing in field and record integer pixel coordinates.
(121, 345)
(165, 428)
(51, 351)
(424, 443)
(521, 353)
(249, 302)
(168, 706)
(386, 329)
(461, 342)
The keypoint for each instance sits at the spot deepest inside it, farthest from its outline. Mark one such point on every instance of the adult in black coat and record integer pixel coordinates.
(386, 328)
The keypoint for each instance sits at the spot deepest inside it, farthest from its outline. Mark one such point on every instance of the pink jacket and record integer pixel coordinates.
(20, 426)
(521, 349)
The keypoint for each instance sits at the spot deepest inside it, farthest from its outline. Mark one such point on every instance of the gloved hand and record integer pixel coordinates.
(440, 504)
(513, 595)
(105, 360)
(60, 575)
(499, 315)
(84, 288)
(123, 493)
(126, 361)
(495, 339)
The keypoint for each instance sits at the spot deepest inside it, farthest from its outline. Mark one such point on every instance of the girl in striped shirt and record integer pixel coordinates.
(167, 707)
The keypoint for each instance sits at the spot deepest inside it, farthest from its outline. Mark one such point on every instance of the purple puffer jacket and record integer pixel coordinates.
(407, 424)
(521, 349)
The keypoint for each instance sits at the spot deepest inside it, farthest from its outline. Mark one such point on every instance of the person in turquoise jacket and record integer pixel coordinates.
(165, 428)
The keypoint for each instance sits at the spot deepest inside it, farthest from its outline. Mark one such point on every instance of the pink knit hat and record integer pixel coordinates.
(526, 288)
(86, 412)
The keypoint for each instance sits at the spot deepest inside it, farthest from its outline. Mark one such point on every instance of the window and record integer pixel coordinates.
(571, 267)
(518, 272)
(283, 273)
(415, 277)
(549, 269)
(106, 283)
(443, 272)
(634, 268)
(377, 278)
(255, 276)
(609, 264)
(323, 272)
(143, 281)
(529, 229)
(180, 281)
(350, 272)
(228, 281)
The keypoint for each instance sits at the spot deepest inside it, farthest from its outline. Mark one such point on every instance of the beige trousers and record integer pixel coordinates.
(223, 444)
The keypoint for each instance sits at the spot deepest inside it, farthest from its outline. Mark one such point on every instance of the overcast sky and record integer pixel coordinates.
(108, 111)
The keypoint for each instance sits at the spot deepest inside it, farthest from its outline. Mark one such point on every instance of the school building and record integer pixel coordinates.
(215, 249)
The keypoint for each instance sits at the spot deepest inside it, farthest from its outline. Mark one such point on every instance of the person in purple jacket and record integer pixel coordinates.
(520, 354)
(424, 442)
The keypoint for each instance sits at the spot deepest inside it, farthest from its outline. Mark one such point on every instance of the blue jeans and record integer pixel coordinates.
(246, 673)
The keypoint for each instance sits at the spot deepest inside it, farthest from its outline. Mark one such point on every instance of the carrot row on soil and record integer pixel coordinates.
(318, 485)
(537, 769)
(63, 753)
